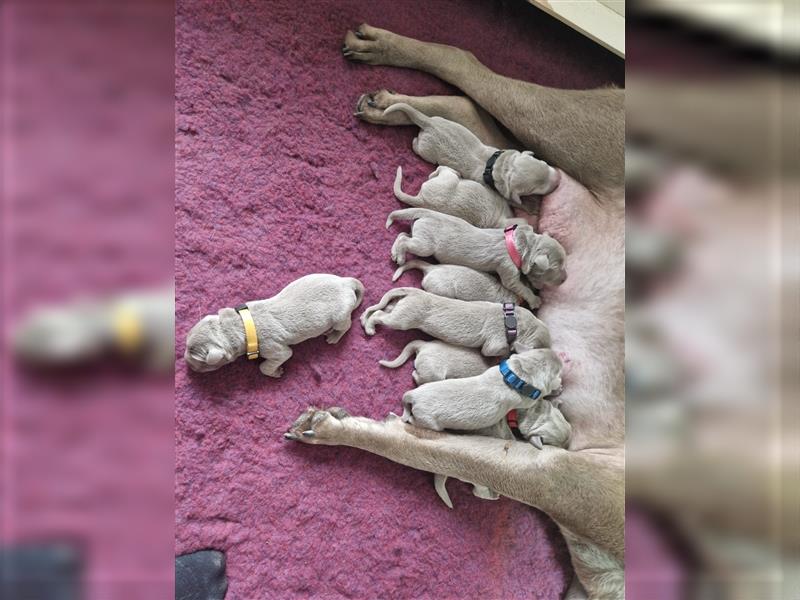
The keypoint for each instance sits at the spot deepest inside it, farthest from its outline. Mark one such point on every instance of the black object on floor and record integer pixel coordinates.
(200, 576)
(40, 572)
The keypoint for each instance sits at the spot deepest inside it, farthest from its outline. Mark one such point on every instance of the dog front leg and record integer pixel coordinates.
(581, 491)
(511, 280)
(271, 367)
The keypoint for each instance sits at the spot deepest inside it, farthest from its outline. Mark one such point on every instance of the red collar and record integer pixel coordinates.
(511, 418)
(512, 247)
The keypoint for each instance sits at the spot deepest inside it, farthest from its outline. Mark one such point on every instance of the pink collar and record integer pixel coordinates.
(512, 247)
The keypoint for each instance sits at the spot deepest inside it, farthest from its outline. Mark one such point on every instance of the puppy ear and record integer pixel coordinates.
(516, 199)
(215, 355)
(541, 262)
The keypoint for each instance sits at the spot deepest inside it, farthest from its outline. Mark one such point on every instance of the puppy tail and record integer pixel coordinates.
(406, 214)
(398, 190)
(418, 118)
(440, 483)
(388, 298)
(358, 290)
(412, 264)
(411, 348)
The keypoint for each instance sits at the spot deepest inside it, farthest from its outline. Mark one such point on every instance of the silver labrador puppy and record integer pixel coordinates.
(313, 305)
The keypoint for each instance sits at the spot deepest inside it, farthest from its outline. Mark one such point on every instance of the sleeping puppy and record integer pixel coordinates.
(446, 192)
(513, 174)
(469, 324)
(137, 326)
(542, 424)
(482, 401)
(435, 361)
(308, 307)
(461, 283)
(454, 241)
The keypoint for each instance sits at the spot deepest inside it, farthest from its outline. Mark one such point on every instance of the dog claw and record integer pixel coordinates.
(359, 35)
(309, 433)
(290, 436)
(372, 103)
(536, 440)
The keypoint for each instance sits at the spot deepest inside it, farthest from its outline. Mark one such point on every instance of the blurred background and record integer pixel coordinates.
(86, 449)
(86, 445)
(712, 300)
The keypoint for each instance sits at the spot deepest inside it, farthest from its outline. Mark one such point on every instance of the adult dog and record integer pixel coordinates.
(582, 132)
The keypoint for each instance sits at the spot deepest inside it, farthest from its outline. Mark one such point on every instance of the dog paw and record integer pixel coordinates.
(317, 426)
(370, 107)
(374, 46)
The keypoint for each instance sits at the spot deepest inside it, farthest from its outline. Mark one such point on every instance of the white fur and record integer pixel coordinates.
(461, 283)
(313, 305)
(454, 241)
(444, 142)
(469, 324)
(446, 192)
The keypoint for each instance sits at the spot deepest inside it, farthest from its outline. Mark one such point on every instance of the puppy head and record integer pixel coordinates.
(528, 176)
(545, 421)
(541, 368)
(207, 348)
(543, 257)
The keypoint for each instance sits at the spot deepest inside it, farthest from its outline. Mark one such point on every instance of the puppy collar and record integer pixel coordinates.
(128, 329)
(249, 331)
(520, 385)
(510, 322)
(488, 177)
(511, 246)
(513, 424)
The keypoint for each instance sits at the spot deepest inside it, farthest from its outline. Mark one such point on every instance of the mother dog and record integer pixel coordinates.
(582, 132)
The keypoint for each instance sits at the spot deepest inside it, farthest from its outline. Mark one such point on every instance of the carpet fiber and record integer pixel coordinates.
(276, 179)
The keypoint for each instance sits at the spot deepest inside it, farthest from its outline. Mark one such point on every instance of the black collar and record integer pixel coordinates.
(488, 178)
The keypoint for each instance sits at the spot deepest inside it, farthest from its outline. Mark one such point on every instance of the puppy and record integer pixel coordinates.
(454, 241)
(461, 283)
(138, 327)
(435, 361)
(446, 192)
(308, 307)
(478, 402)
(542, 424)
(469, 324)
(513, 174)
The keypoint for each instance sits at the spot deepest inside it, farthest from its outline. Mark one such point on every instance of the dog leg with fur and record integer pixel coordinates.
(593, 510)
(460, 109)
(581, 131)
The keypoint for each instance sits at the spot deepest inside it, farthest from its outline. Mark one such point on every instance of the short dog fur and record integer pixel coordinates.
(446, 192)
(541, 424)
(454, 241)
(470, 324)
(308, 307)
(461, 283)
(443, 142)
(476, 402)
(436, 361)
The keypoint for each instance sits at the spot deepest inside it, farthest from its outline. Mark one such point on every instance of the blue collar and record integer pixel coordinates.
(522, 386)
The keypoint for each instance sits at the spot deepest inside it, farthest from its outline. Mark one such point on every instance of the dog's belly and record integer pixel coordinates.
(585, 314)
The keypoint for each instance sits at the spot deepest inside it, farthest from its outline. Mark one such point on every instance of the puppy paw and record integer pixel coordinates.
(317, 426)
(276, 372)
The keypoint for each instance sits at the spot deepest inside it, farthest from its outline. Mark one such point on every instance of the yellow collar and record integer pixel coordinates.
(249, 331)
(128, 330)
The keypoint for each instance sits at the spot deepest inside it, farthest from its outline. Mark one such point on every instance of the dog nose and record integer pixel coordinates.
(563, 277)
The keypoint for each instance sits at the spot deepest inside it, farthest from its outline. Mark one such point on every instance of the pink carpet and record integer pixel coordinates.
(276, 179)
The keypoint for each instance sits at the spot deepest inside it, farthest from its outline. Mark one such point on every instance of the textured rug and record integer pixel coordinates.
(276, 179)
